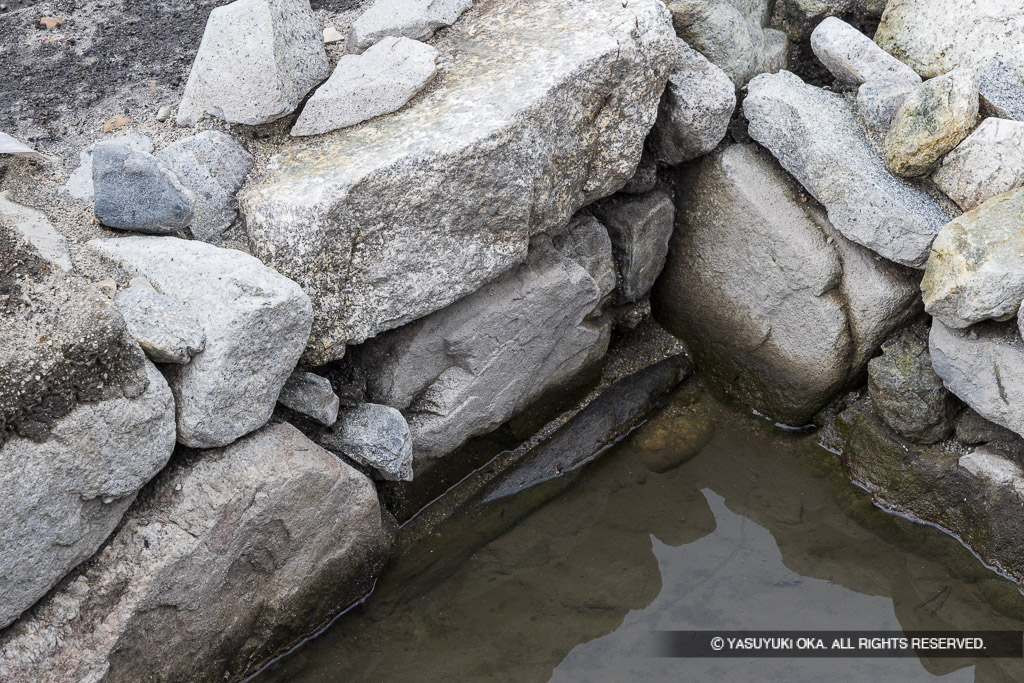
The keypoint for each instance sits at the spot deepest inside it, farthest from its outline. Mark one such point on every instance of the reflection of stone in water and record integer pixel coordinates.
(677, 433)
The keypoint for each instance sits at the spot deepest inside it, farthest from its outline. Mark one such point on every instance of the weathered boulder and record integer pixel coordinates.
(256, 323)
(907, 393)
(35, 229)
(136, 191)
(731, 35)
(936, 36)
(257, 60)
(79, 184)
(695, 110)
(934, 119)
(164, 330)
(416, 19)
(853, 58)
(814, 135)
(470, 367)
(976, 268)
(375, 436)
(1001, 91)
(640, 227)
(61, 343)
(989, 162)
(67, 494)
(230, 556)
(984, 367)
(778, 308)
(878, 102)
(362, 87)
(527, 140)
(214, 166)
(311, 395)
(752, 286)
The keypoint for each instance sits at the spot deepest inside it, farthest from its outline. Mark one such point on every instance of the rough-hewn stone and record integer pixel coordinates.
(256, 323)
(416, 19)
(138, 192)
(230, 556)
(468, 368)
(878, 102)
(65, 495)
(311, 395)
(976, 267)
(164, 330)
(1001, 91)
(257, 60)
(640, 227)
(79, 184)
(989, 162)
(853, 58)
(934, 119)
(36, 230)
(527, 139)
(375, 436)
(814, 135)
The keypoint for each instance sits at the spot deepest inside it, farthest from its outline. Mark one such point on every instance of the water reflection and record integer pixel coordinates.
(750, 530)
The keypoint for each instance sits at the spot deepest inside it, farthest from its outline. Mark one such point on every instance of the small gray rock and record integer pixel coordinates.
(416, 19)
(695, 110)
(376, 436)
(79, 185)
(362, 87)
(214, 166)
(164, 330)
(163, 113)
(853, 58)
(256, 322)
(972, 429)
(934, 119)
(989, 162)
(907, 393)
(257, 60)
(311, 395)
(878, 102)
(1001, 91)
(984, 366)
(640, 227)
(37, 231)
(136, 191)
(815, 136)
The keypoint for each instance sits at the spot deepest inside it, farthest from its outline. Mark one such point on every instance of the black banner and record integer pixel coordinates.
(986, 644)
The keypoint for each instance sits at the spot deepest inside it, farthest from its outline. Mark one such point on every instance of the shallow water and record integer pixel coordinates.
(760, 529)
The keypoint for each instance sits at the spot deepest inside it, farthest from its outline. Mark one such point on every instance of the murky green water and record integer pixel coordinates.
(759, 530)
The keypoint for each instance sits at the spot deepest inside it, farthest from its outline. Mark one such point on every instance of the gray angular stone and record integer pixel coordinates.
(79, 184)
(257, 60)
(164, 330)
(972, 429)
(989, 162)
(752, 286)
(731, 35)
(256, 323)
(470, 367)
(937, 36)
(416, 19)
(138, 192)
(230, 556)
(878, 102)
(214, 166)
(311, 395)
(934, 119)
(984, 367)
(36, 230)
(778, 308)
(907, 393)
(1001, 91)
(527, 140)
(640, 227)
(645, 178)
(65, 495)
(362, 87)
(976, 267)
(695, 110)
(375, 436)
(814, 135)
(853, 58)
